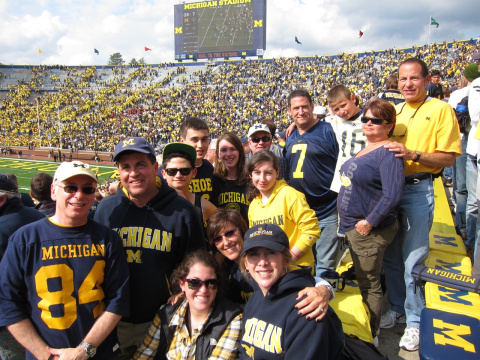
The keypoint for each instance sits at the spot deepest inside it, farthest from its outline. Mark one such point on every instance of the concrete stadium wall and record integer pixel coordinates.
(43, 153)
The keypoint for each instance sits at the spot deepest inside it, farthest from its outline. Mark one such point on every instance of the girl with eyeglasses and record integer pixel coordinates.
(372, 186)
(275, 202)
(203, 325)
(229, 179)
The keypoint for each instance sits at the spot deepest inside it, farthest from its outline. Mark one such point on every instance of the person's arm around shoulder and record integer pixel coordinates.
(227, 345)
(437, 159)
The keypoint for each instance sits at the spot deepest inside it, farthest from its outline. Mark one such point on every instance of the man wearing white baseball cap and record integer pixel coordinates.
(67, 283)
(260, 138)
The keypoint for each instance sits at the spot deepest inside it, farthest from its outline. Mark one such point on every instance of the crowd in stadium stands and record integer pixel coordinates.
(98, 106)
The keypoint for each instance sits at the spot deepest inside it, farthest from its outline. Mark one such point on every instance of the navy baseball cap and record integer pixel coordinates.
(138, 144)
(268, 236)
(7, 185)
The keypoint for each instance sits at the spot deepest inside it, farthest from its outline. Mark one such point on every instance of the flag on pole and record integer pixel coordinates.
(433, 21)
(298, 42)
(40, 51)
(360, 33)
(96, 51)
(147, 49)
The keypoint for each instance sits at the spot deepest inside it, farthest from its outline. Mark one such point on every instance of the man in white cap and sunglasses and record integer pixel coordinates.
(64, 279)
(260, 138)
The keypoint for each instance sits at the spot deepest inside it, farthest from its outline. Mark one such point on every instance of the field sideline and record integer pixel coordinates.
(25, 169)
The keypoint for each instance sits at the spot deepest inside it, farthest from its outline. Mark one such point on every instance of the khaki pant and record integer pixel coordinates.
(130, 337)
(367, 255)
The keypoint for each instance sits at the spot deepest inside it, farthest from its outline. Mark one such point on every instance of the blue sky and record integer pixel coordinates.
(67, 31)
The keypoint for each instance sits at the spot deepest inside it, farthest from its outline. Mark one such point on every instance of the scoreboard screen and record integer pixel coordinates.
(219, 29)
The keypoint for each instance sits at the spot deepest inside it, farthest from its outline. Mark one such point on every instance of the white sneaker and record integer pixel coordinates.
(375, 341)
(410, 339)
(390, 318)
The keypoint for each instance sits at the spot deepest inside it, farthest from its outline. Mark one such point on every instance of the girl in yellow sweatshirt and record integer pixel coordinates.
(275, 202)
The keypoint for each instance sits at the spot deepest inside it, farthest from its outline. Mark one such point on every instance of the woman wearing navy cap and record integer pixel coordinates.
(271, 326)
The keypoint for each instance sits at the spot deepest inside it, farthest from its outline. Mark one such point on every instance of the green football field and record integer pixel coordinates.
(236, 22)
(25, 169)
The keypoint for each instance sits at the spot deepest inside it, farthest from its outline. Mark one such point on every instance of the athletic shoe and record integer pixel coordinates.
(390, 318)
(410, 339)
(375, 341)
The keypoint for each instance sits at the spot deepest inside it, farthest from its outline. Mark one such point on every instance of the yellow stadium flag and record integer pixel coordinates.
(40, 51)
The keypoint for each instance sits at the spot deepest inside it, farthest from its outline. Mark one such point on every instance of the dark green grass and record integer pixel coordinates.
(25, 169)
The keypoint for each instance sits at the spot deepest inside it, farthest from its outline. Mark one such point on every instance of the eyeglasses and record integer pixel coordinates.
(374, 120)
(72, 189)
(195, 284)
(228, 234)
(265, 139)
(174, 171)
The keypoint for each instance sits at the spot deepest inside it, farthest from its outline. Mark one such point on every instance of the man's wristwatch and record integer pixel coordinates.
(418, 156)
(90, 350)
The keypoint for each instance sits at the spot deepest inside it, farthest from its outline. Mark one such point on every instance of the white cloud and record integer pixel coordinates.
(68, 31)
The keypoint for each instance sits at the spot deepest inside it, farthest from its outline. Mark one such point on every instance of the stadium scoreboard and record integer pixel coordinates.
(220, 29)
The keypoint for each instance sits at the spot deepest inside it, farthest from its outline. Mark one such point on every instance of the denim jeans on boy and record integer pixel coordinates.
(409, 248)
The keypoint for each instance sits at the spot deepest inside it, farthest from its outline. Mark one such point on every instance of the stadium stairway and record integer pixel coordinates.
(450, 322)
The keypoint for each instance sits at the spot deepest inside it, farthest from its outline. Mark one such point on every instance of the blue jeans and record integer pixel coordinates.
(409, 248)
(460, 187)
(472, 209)
(327, 246)
(10, 349)
(448, 172)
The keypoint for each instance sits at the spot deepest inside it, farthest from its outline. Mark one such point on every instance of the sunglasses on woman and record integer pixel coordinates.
(374, 120)
(265, 139)
(174, 171)
(195, 284)
(72, 189)
(218, 238)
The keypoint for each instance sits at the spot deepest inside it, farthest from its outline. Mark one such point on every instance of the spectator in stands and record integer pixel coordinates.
(311, 152)
(473, 147)
(65, 306)
(26, 198)
(259, 138)
(211, 151)
(195, 132)
(13, 215)
(165, 228)
(230, 180)
(392, 95)
(423, 161)
(40, 191)
(179, 170)
(372, 185)
(320, 112)
(212, 321)
(434, 88)
(460, 190)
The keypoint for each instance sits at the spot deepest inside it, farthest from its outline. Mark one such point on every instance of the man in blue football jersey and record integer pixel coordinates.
(64, 284)
(312, 151)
